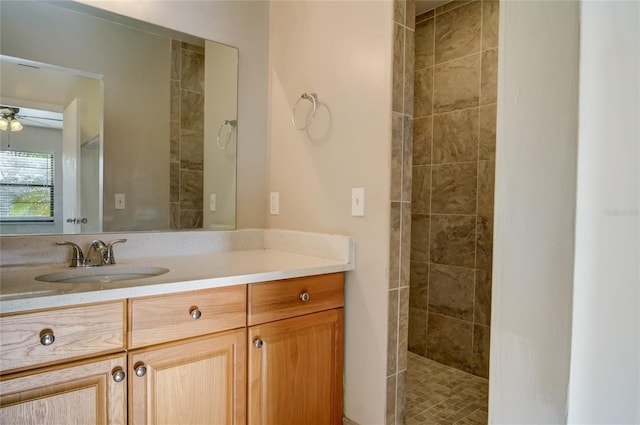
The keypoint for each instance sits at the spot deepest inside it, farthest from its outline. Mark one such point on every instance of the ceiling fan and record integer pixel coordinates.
(12, 120)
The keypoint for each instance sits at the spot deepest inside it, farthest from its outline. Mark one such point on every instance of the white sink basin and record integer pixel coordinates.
(102, 274)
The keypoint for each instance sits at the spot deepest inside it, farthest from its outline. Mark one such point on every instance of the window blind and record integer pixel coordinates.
(26, 186)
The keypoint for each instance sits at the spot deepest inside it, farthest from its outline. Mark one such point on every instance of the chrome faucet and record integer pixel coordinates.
(99, 253)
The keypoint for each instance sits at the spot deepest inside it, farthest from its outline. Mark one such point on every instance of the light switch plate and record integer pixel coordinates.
(357, 201)
(274, 203)
(119, 201)
(212, 202)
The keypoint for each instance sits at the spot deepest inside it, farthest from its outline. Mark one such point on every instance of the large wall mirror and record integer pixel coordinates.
(125, 126)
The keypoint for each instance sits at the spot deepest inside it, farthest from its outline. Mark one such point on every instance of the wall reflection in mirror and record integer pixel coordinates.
(121, 121)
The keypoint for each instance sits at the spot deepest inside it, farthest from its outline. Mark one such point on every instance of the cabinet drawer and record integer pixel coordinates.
(77, 332)
(164, 318)
(282, 299)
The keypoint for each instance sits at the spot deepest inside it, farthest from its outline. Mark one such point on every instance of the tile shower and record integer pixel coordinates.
(187, 135)
(452, 185)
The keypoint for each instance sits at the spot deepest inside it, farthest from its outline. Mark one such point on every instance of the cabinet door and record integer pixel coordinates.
(80, 393)
(197, 381)
(295, 370)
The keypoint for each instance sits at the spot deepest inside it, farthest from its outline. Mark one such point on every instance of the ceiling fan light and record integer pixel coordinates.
(16, 125)
(4, 123)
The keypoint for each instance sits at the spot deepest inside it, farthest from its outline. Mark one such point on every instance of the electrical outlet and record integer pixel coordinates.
(274, 204)
(119, 201)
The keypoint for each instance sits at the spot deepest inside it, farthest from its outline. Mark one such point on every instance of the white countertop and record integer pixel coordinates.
(19, 291)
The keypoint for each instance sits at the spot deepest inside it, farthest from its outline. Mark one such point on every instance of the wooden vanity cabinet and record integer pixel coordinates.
(267, 353)
(69, 391)
(296, 351)
(77, 394)
(198, 380)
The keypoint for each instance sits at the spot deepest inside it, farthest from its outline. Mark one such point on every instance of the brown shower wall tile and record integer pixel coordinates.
(451, 291)
(418, 331)
(174, 215)
(407, 158)
(421, 190)
(174, 182)
(420, 224)
(397, 128)
(175, 60)
(405, 244)
(399, 11)
(394, 245)
(193, 47)
(458, 32)
(398, 68)
(422, 141)
(423, 92)
(410, 14)
(391, 401)
(482, 303)
(484, 242)
(454, 188)
(175, 101)
(487, 133)
(486, 178)
(191, 190)
(191, 150)
(454, 139)
(455, 84)
(190, 219)
(453, 240)
(174, 141)
(429, 14)
(409, 48)
(424, 44)
(192, 111)
(490, 10)
(455, 136)
(392, 338)
(489, 77)
(480, 361)
(192, 71)
(451, 5)
(403, 328)
(449, 341)
(419, 286)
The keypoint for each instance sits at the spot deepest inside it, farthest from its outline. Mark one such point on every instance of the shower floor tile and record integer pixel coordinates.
(439, 394)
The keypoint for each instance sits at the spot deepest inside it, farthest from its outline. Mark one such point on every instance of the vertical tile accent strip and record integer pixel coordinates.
(400, 206)
(187, 135)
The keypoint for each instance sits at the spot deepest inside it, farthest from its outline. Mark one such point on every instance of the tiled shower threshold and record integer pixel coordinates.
(439, 394)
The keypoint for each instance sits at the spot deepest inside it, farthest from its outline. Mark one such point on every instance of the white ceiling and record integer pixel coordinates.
(424, 5)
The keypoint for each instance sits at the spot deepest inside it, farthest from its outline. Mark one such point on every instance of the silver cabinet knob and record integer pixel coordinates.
(195, 313)
(258, 343)
(118, 375)
(141, 370)
(46, 337)
(305, 296)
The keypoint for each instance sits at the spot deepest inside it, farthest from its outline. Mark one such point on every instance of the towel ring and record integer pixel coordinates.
(230, 124)
(313, 98)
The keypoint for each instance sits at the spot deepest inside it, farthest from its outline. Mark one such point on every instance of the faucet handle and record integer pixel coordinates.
(110, 257)
(77, 260)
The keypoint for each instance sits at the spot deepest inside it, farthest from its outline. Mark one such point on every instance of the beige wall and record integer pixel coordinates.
(348, 145)
(535, 205)
(245, 25)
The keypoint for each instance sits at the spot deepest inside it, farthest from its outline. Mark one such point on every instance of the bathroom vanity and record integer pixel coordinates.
(240, 348)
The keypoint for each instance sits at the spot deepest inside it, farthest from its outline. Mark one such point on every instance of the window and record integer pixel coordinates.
(26, 186)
